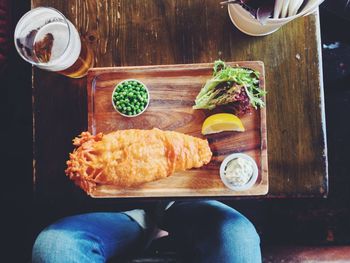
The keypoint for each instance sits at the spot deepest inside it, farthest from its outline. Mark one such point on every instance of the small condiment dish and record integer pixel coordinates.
(252, 179)
(143, 110)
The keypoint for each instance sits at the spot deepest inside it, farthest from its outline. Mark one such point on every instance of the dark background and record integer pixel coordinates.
(279, 221)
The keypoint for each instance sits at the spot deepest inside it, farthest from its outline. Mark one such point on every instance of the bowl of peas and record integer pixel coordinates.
(130, 98)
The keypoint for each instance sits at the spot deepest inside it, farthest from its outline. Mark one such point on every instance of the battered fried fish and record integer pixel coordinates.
(128, 158)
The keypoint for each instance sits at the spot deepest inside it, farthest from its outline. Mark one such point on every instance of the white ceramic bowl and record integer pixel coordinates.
(247, 24)
(252, 180)
(148, 100)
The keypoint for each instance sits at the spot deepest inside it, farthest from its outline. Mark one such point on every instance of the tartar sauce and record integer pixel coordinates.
(239, 171)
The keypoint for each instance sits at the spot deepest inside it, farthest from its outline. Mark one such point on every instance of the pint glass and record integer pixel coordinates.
(48, 40)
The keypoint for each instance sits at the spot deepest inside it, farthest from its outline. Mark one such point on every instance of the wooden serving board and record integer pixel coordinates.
(173, 89)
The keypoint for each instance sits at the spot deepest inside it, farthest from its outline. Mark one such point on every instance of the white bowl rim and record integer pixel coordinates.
(252, 180)
(148, 100)
(277, 20)
(249, 33)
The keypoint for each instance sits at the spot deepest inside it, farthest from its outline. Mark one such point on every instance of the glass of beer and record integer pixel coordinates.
(47, 39)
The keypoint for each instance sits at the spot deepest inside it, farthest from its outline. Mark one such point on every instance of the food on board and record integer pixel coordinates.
(130, 97)
(236, 86)
(129, 158)
(222, 122)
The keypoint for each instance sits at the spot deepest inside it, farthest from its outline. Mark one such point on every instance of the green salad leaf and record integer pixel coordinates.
(236, 85)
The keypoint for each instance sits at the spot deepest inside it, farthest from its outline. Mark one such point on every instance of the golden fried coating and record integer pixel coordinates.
(128, 158)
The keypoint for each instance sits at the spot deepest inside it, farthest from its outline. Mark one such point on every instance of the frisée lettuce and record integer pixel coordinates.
(231, 85)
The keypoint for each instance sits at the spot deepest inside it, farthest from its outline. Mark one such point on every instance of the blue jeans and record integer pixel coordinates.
(205, 231)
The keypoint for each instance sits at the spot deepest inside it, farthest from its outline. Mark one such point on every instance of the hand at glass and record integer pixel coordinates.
(48, 40)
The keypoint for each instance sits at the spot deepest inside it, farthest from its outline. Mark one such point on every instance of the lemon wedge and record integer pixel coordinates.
(222, 122)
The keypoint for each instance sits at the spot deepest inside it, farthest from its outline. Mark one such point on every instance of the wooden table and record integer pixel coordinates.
(146, 32)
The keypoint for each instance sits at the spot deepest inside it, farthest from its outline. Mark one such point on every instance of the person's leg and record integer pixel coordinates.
(209, 231)
(93, 237)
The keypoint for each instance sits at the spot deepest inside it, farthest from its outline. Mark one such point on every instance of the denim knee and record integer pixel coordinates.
(238, 229)
(55, 246)
(228, 225)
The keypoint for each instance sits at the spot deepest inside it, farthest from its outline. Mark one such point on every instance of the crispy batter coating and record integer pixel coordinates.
(128, 158)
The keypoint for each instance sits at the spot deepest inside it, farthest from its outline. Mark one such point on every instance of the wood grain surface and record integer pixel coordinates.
(173, 89)
(153, 32)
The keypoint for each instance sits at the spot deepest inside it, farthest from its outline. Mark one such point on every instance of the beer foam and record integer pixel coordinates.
(66, 45)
